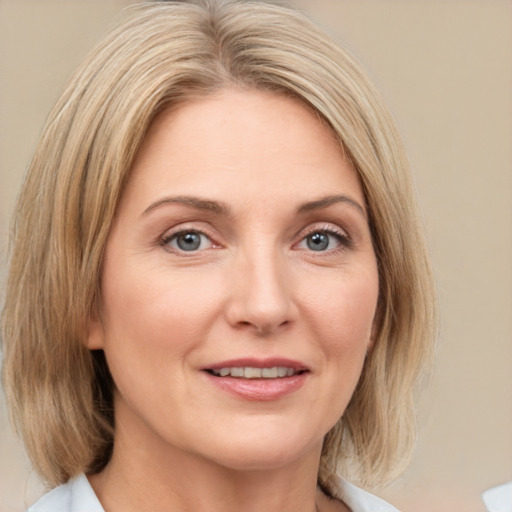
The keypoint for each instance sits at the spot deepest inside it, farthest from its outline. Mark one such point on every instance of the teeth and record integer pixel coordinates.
(252, 373)
(249, 372)
(269, 373)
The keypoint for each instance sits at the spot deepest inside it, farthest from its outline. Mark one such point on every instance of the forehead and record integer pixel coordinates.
(244, 143)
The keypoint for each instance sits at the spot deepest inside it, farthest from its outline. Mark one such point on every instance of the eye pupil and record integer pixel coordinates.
(318, 241)
(189, 241)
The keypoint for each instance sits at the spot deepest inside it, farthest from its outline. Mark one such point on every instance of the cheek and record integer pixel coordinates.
(346, 329)
(157, 308)
(342, 320)
(153, 321)
(344, 312)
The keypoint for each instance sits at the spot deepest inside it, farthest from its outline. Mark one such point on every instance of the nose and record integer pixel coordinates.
(261, 298)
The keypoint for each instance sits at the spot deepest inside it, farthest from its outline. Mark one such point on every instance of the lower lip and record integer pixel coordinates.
(259, 389)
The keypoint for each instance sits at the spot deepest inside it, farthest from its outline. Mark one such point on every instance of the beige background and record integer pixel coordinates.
(446, 70)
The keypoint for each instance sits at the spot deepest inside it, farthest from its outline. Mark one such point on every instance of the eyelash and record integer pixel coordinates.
(345, 242)
(168, 238)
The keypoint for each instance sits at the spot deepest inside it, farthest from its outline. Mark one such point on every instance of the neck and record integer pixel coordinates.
(144, 477)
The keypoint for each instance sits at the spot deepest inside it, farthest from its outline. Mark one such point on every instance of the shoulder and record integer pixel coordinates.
(359, 500)
(74, 496)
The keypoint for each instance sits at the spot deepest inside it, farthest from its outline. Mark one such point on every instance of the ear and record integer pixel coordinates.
(95, 335)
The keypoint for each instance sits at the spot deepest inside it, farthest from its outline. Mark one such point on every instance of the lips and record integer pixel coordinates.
(252, 368)
(249, 372)
(252, 379)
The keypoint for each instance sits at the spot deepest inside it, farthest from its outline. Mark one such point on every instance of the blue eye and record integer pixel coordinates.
(188, 241)
(323, 240)
(318, 241)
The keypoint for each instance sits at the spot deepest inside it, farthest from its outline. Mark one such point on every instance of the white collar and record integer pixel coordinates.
(78, 496)
(499, 499)
(359, 500)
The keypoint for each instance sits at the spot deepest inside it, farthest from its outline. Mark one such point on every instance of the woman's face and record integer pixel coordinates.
(239, 285)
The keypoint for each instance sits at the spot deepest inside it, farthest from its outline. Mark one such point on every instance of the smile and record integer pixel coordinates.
(249, 372)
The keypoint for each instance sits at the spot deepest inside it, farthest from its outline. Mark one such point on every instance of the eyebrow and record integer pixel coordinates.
(193, 202)
(327, 201)
(223, 209)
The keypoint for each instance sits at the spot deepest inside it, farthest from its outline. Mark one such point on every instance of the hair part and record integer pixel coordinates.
(161, 54)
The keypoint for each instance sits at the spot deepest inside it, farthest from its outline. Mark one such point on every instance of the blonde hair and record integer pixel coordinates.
(59, 393)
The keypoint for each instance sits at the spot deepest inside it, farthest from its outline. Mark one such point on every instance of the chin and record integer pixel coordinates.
(252, 460)
(262, 451)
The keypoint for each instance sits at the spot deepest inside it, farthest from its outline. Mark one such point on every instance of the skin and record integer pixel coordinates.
(253, 288)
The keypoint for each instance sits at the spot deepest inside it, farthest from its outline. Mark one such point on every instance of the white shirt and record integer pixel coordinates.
(77, 496)
(499, 499)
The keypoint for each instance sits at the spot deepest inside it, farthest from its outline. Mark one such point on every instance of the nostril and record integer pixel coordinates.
(246, 325)
(263, 329)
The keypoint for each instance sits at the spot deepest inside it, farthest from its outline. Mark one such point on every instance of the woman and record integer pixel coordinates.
(219, 295)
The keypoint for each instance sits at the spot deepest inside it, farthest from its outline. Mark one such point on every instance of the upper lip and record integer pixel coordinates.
(251, 362)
